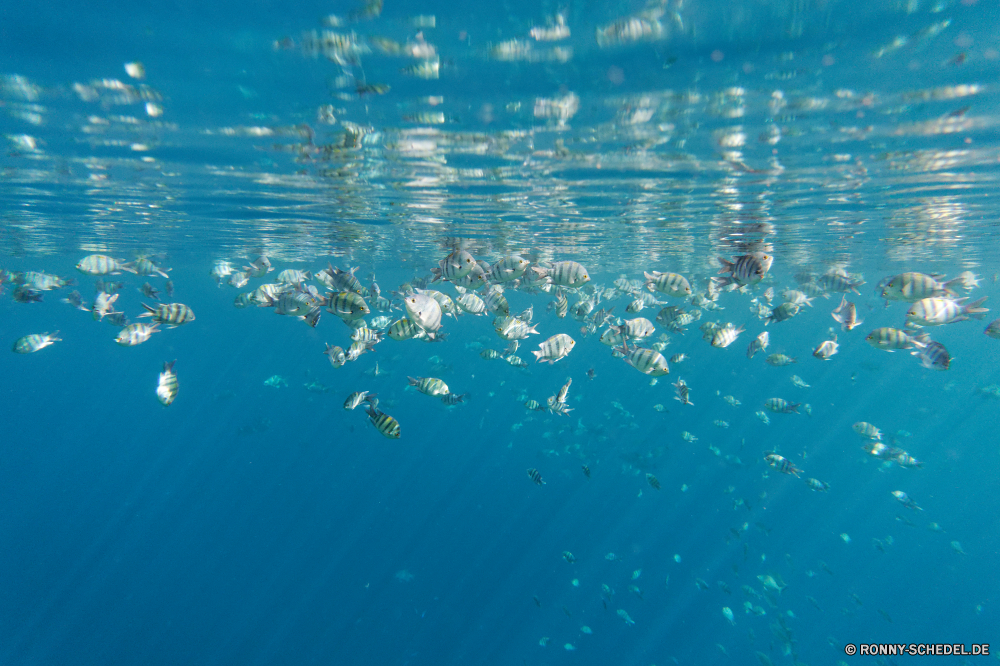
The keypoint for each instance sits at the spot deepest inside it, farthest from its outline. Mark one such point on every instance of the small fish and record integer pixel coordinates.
(568, 556)
(555, 348)
(654, 482)
(758, 344)
(891, 339)
(933, 356)
(826, 349)
(817, 485)
(905, 500)
(357, 398)
(454, 398)
(798, 381)
(429, 385)
(779, 360)
(730, 400)
(683, 392)
(586, 470)
(149, 291)
(535, 476)
(847, 314)
(746, 269)
(172, 314)
(336, 356)
(782, 464)
(760, 414)
(867, 430)
(726, 336)
(135, 334)
(166, 389)
(993, 330)
(385, 424)
(99, 264)
(32, 343)
(779, 406)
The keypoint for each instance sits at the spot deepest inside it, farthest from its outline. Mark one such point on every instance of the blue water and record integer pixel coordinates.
(248, 524)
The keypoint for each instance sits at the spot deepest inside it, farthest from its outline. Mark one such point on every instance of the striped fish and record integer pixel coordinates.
(476, 279)
(337, 280)
(847, 314)
(867, 430)
(259, 267)
(783, 312)
(672, 284)
(144, 266)
(292, 276)
(424, 311)
(41, 281)
(103, 305)
(647, 361)
(173, 314)
(384, 423)
(817, 485)
(912, 287)
(938, 311)
(653, 481)
(357, 398)
(507, 269)
(782, 464)
(496, 302)
(149, 291)
(826, 349)
(934, 356)
(472, 304)
(444, 300)
(515, 361)
(34, 342)
(455, 266)
(135, 334)
(404, 329)
(726, 336)
(514, 329)
(779, 360)
(336, 356)
(780, 406)
(491, 354)
(534, 406)
(637, 329)
(117, 319)
(238, 279)
(839, 282)
(99, 264)
(890, 339)
(683, 392)
(557, 347)
(746, 269)
(347, 305)
(365, 334)
(166, 389)
(453, 398)
(535, 476)
(429, 385)
(294, 303)
(564, 274)
(358, 348)
(561, 305)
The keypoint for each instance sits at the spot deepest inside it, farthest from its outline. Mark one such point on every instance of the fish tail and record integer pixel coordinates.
(973, 309)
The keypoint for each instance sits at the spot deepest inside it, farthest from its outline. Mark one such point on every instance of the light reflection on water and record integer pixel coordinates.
(680, 171)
